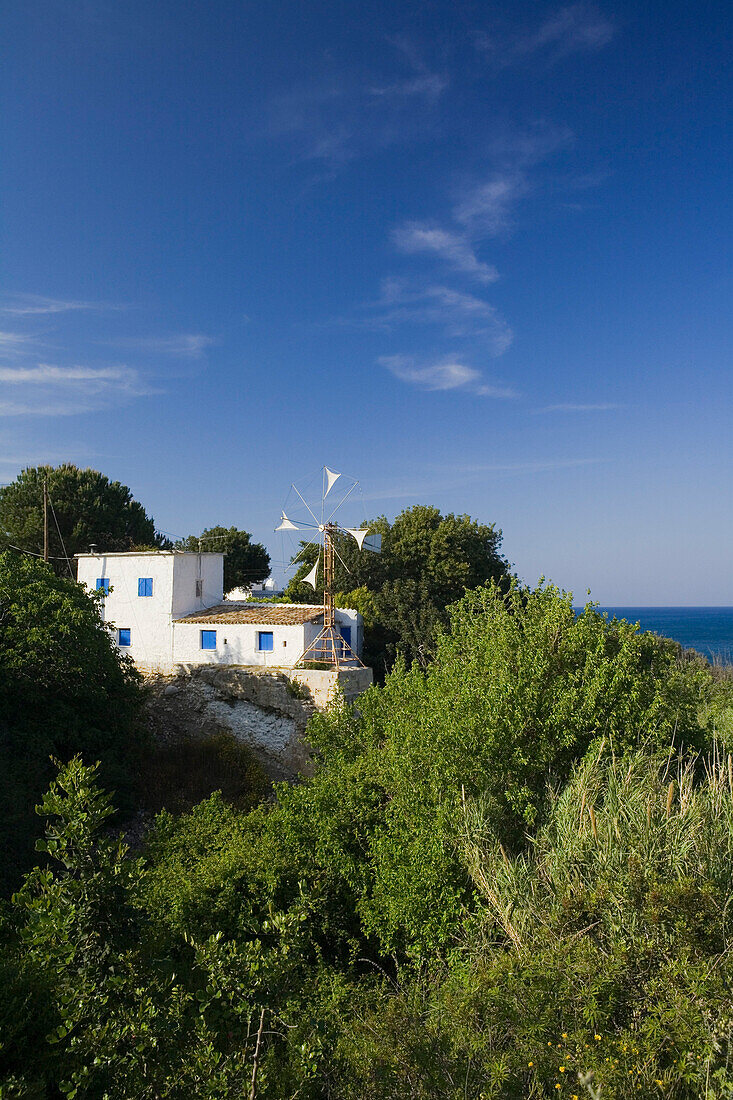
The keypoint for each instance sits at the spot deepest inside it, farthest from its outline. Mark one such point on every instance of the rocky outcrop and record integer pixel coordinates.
(264, 710)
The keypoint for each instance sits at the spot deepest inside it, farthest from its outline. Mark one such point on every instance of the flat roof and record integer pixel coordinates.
(263, 614)
(152, 553)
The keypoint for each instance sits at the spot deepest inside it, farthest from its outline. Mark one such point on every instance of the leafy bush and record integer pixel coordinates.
(176, 776)
(64, 688)
(517, 692)
(601, 954)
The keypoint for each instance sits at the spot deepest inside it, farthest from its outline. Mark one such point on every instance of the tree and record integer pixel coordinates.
(427, 562)
(85, 508)
(64, 688)
(246, 562)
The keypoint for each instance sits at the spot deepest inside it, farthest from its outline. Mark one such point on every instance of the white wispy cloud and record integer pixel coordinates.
(449, 373)
(486, 208)
(12, 342)
(49, 390)
(573, 28)
(454, 248)
(459, 314)
(184, 345)
(339, 117)
(603, 406)
(45, 373)
(427, 85)
(29, 305)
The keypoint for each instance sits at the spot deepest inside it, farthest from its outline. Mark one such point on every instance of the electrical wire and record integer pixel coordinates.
(33, 554)
(61, 538)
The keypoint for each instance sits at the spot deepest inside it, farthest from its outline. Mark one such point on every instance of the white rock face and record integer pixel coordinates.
(264, 731)
(260, 710)
(266, 710)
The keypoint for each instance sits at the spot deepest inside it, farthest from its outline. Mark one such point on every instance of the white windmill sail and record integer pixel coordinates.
(359, 534)
(286, 525)
(331, 478)
(310, 578)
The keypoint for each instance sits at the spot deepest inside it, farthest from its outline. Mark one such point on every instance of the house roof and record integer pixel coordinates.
(260, 614)
(152, 553)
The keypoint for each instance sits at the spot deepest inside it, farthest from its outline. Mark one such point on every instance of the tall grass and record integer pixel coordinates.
(615, 833)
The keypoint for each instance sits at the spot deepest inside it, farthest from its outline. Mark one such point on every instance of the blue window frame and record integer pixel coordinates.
(265, 641)
(124, 637)
(145, 586)
(102, 585)
(208, 639)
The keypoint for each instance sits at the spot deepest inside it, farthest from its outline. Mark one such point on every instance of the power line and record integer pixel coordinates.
(33, 554)
(61, 539)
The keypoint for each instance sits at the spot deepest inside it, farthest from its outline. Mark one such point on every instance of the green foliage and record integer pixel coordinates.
(107, 997)
(518, 691)
(511, 876)
(246, 562)
(177, 775)
(88, 507)
(64, 688)
(598, 963)
(427, 562)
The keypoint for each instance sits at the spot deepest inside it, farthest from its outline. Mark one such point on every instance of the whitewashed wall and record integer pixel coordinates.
(187, 569)
(149, 618)
(236, 644)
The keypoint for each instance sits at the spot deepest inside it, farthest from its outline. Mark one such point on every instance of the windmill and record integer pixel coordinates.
(329, 646)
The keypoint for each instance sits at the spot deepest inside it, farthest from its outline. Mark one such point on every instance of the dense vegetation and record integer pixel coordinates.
(246, 562)
(85, 508)
(64, 688)
(511, 876)
(427, 563)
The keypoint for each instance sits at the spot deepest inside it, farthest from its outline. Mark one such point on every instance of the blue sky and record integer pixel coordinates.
(477, 256)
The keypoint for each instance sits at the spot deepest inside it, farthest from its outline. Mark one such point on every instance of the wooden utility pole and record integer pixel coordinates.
(45, 519)
(329, 614)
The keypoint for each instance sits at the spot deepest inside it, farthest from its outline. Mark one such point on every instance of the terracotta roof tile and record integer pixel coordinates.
(259, 614)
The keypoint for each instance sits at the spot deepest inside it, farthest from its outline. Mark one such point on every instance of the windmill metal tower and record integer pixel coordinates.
(329, 646)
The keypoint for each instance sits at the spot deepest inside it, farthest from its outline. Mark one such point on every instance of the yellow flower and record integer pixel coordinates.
(562, 1069)
(549, 1044)
(557, 1086)
(597, 1037)
(530, 1063)
(564, 1034)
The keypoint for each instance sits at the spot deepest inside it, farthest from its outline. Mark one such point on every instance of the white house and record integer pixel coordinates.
(167, 608)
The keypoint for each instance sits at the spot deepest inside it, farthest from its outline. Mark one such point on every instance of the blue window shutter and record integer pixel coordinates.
(103, 584)
(124, 636)
(345, 632)
(208, 639)
(265, 641)
(145, 586)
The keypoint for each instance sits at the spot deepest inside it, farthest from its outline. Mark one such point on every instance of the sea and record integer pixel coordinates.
(709, 630)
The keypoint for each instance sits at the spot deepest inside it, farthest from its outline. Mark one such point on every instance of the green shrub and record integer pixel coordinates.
(601, 954)
(64, 688)
(176, 776)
